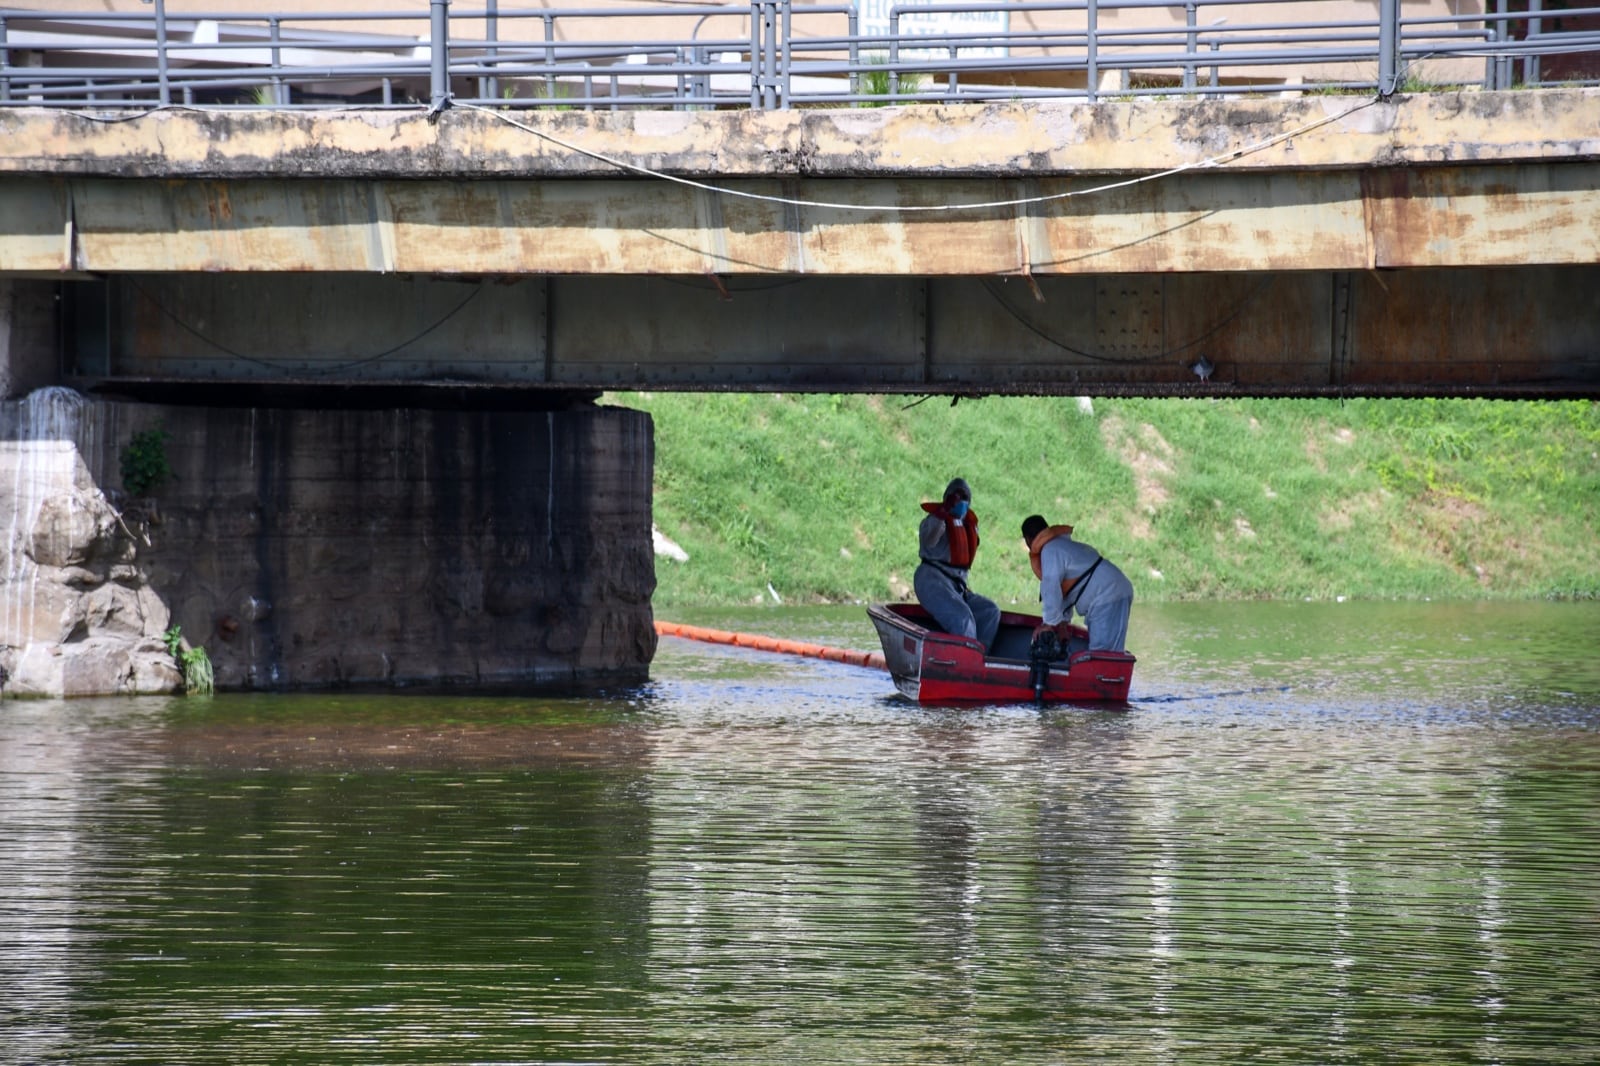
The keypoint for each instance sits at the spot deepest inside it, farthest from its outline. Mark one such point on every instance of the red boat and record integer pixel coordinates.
(932, 666)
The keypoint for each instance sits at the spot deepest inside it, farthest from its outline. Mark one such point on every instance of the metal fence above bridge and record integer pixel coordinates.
(779, 54)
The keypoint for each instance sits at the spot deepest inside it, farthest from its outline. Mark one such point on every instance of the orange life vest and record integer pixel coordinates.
(1045, 537)
(963, 539)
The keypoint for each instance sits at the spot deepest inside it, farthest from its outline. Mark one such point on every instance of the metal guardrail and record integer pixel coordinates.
(768, 54)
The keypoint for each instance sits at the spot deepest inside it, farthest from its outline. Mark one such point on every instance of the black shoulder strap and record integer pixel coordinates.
(1077, 586)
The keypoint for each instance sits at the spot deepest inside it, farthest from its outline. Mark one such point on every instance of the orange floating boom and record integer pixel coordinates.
(872, 659)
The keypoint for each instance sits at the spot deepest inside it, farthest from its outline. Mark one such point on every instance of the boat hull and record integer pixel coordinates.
(931, 666)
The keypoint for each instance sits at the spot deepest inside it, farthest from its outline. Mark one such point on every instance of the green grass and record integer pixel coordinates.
(1195, 499)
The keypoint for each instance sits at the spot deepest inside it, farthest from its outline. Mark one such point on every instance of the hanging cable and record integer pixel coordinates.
(990, 285)
(1221, 159)
(317, 371)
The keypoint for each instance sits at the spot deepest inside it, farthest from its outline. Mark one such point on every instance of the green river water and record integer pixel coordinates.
(1320, 833)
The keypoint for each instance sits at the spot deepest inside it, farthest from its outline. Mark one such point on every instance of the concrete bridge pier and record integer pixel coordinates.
(28, 345)
(315, 548)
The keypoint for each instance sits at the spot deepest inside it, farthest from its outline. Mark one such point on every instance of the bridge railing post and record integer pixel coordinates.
(1092, 58)
(489, 86)
(5, 63)
(764, 62)
(550, 90)
(785, 67)
(162, 71)
(1191, 41)
(1502, 33)
(755, 55)
(1389, 50)
(893, 81)
(439, 55)
(1530, 62)
(280, 94)
(853, 24)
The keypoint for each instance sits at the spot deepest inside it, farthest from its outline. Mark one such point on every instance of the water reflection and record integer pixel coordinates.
(1320, 834)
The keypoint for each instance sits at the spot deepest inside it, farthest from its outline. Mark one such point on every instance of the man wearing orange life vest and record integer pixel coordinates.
(947, 543)
(1074, 575)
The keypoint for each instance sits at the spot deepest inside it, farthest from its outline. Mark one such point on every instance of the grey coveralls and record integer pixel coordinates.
(942, 588)
(1104, 600)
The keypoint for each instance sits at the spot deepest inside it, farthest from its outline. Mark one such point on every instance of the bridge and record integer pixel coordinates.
(1285, 238)
(1439, 244)
(370, 336)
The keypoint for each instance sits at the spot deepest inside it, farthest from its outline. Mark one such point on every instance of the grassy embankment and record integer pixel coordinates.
(817, 495)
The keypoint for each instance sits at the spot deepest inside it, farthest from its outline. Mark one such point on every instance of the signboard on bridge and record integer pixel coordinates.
(925, 18)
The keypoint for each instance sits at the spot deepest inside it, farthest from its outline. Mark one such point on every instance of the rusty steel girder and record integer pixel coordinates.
(1203, 222)
(1525, 331)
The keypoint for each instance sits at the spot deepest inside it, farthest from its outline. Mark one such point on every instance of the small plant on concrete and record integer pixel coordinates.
(553, 90)
(144, 462)
(195, 663)
(1414, 83)
(874, 81)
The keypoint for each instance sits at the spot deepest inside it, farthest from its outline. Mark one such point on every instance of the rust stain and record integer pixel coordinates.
(218, 201)
(1227, 222)
(1481, 216)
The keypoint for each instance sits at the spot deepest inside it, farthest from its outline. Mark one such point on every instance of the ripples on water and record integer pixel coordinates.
(1298, 844)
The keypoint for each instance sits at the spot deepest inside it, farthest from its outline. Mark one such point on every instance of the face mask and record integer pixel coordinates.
(959, 508)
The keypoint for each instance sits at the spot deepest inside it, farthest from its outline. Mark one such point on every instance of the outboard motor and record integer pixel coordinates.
(1045, 649)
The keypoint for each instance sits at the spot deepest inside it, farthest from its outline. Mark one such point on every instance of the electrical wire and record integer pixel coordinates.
(314, 372)
(989, 284)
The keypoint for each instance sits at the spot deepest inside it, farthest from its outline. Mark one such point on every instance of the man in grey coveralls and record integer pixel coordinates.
(1100, 592)
(947, 541)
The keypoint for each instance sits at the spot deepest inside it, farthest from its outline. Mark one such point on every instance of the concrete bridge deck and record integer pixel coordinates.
(1435, 243)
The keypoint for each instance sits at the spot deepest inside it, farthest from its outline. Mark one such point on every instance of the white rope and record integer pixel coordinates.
(722, 190)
